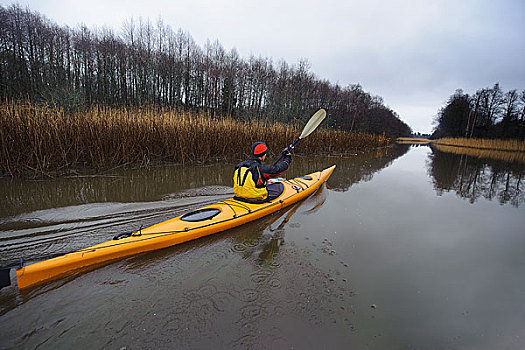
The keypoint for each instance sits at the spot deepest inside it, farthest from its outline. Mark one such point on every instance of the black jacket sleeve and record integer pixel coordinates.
(271, 171)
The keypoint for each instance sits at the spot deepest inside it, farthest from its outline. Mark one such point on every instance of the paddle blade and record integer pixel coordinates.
(313, 123)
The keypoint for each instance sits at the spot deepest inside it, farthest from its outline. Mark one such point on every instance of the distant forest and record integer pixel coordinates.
(151, 64)
(489, 113)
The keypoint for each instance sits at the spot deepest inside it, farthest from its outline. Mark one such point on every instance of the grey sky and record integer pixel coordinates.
(414, 54)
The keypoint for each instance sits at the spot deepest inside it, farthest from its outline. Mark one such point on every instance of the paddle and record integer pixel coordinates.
(312, 124)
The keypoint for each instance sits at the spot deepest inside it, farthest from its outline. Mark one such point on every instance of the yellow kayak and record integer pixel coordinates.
(205, 221)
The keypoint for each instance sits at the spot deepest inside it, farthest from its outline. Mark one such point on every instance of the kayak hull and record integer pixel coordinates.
(230, 213)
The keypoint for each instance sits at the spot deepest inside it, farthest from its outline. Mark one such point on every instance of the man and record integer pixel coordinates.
(251, 176)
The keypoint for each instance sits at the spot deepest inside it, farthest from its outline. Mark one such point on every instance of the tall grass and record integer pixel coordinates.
(506, 156)
(498, 145)
(412, 140)
(42, 140)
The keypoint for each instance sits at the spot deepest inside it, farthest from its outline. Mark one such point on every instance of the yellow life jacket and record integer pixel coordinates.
(245, 187)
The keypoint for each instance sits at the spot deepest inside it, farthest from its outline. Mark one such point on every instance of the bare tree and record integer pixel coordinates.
(510, 107)
(522, 100)
(154, 65)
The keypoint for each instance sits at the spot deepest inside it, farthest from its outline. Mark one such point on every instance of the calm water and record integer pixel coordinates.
(405, 248)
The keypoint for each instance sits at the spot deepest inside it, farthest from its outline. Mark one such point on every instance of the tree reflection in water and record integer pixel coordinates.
(472, 177)
(351, 169)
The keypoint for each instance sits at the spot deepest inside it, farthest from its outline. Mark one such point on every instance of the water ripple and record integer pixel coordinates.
(40, 233)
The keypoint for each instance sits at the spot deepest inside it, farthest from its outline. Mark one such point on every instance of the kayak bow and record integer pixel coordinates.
(205, 221)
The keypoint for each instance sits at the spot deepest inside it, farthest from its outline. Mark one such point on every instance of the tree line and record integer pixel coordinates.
(489, 113)
(152, 64)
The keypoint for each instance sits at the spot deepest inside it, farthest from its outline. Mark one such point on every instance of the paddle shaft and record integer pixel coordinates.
(312, 124)
(289, 149)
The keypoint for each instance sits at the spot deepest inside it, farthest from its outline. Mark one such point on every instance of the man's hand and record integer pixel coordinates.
(286, 152)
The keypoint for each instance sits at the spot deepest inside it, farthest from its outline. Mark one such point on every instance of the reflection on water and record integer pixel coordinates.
(373, 260)
(472, 177)
(153, 184)
(350, 169)
(60, 215)
(136, 185)
(44, 218)
(483, 153)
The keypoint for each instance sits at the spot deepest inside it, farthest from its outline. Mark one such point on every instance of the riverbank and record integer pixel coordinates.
(39, 141)
(486, 144)
(507, 156)
(412, 140)
(506, 150)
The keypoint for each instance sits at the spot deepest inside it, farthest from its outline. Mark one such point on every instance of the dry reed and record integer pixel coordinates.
(489, 144)
(41, 140)
(506, 156)
(412, 140)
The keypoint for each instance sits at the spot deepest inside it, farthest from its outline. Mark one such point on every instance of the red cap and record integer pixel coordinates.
(259, 149)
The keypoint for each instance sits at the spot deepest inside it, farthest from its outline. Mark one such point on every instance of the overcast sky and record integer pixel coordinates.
(414, 54)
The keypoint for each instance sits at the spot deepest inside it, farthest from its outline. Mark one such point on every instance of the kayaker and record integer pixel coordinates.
(250, 178)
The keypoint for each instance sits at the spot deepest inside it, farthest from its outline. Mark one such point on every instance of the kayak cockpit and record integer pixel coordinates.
(201, 215)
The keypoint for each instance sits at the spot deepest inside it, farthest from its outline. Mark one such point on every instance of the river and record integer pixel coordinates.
(405, 247)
